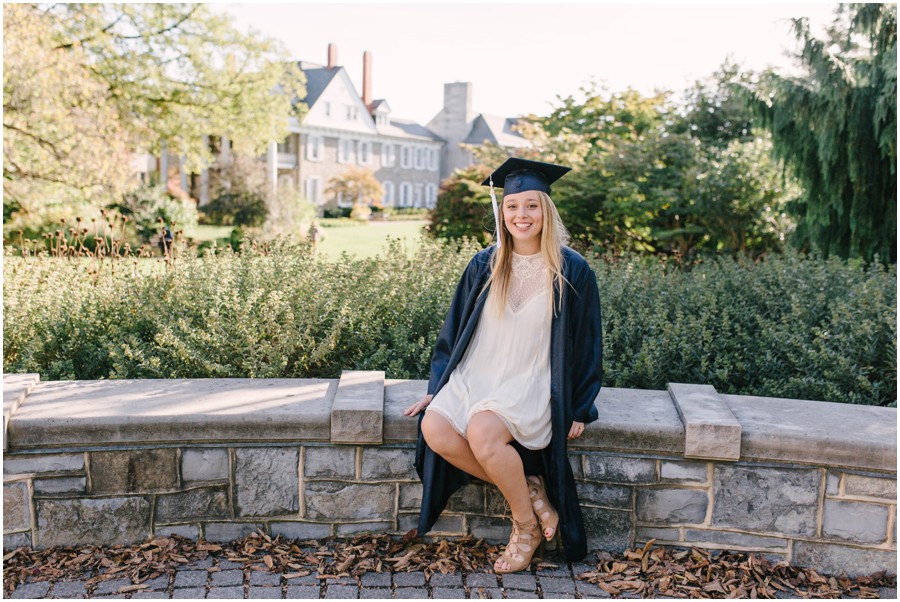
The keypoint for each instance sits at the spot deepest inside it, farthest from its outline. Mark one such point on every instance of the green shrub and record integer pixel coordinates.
(790, 326)
(145, 206)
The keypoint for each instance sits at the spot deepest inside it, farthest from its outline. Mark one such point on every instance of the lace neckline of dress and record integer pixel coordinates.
(529, 277)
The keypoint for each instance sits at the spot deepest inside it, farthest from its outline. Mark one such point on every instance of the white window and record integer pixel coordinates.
(433, 159)
(418, 199)
(405, 194)
(345, 150)
(352, 112)
(312, 189)
(364, 152)
(381, 119)
(420, 157)
(405, 157)
(388, 193)
(314, 147)
(388, 155)
(431, 195)
(287, 145)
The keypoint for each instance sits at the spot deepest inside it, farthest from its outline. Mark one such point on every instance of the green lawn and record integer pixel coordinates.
(368, 239)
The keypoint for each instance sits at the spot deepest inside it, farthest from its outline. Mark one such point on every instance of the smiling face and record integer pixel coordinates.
(524, 218)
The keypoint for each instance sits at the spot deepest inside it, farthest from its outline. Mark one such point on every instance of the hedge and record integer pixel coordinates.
(790, 326)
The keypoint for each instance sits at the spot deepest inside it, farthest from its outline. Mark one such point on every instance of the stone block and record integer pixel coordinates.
(204, 464)
(357, 414)
(228, 531)
(134, 471)
(575, 463)
(774, 500)
(388, 464)
(467, 499)
(523, 581)
(29, 464)
(557, 585)
(16, 507)
(694, 472)
(341, 501)
(611, 496)
(495, 503)
(189, 593)
(446, 580)
(372, 527)
(35, 590)
(644, 534)
(225, 593)
(447, 593)
(414, 579)
(304, 592)
(190, 579)
(264, 593)
(619, 469)
(69, 589)
(371, 579)
(329, 462)
(726, 539)
(474, 580)
(301, 530)
(836, 559)
(203, 502)
(226, 578)
(265, 578)
(878, 487)
(492, 530)
(858, 522)
(186, 531)
(607, 529)
(267, 481)
(672, 505)
(106, 521)
(15, 388)
(832, 483)
(60, 485)
(410, 496)
(12, 541)
(447, 524)
(710, 428)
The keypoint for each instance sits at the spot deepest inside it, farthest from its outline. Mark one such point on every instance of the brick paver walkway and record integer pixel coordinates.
(215, 577)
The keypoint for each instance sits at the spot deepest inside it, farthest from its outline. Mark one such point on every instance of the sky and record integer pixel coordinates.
(521, 56)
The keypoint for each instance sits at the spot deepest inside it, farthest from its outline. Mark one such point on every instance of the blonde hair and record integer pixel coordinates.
(554, 237)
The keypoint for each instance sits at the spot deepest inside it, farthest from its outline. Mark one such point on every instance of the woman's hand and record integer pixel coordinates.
(418, 406)
(576, 430)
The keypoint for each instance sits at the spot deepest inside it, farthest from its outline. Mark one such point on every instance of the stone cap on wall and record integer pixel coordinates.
(362, 407)
(15, 388)
(109, 412)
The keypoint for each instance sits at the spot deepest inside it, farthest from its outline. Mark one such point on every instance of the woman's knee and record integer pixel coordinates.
(487, 434)
(437, 431)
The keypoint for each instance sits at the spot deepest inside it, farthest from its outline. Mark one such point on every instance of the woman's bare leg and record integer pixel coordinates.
(490, 442)
(451, 446)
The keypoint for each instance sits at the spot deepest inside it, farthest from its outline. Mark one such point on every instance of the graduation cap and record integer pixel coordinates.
(520, 175)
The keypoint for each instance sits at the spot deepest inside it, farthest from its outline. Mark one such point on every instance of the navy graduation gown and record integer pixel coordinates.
(576, 372)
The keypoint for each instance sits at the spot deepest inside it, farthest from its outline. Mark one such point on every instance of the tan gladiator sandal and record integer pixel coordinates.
(545, 512)
(524, 540)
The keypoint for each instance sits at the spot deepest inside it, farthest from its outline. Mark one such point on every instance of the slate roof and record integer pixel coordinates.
(495, 129)
(316, 81)
(404, 128)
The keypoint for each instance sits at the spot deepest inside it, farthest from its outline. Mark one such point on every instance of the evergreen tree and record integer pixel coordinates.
(836, 129)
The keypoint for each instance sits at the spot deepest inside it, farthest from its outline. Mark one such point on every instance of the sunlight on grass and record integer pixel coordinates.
(367, 240)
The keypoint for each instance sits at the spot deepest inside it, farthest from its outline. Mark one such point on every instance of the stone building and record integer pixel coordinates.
(461, 127)
(344, 129)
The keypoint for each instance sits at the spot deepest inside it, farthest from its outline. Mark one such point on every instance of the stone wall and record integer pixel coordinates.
(111, 462)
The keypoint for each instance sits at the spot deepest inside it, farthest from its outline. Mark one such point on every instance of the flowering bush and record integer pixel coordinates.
(790, 326)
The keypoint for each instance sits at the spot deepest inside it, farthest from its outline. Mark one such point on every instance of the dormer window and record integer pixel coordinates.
(381, 119)
(352, 113)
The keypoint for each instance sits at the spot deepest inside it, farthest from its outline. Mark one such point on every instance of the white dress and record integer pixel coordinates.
(506, 367)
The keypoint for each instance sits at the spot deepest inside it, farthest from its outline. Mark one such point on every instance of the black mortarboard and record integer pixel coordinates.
(518, 175)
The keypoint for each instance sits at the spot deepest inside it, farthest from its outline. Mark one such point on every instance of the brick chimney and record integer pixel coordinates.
(367, 78)
(332, 55)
